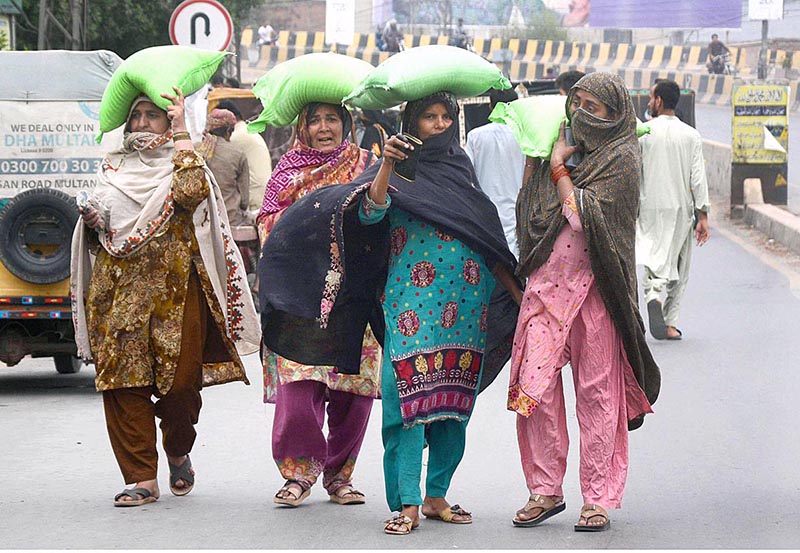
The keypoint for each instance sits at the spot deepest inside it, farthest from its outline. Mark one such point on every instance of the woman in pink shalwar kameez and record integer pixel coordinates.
(576, 232)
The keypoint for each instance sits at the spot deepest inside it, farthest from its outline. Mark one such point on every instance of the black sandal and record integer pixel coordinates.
(184, 473)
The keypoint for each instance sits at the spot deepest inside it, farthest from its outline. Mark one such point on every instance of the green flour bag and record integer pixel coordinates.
(154, 71)
(321, 77)
(418, 72)
(535, 122)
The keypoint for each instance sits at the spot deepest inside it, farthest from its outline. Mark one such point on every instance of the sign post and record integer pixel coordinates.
(202, 24)
(340, 21)
(764, 10)
(760, 140)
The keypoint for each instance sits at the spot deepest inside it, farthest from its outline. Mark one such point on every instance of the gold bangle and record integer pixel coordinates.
(183, 135)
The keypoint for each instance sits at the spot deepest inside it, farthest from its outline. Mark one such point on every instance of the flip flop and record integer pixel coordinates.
(678, 337)
(181, 473)
(138, 497)
(449, 514)
(589, 512)
(547, 505)
(655, 315)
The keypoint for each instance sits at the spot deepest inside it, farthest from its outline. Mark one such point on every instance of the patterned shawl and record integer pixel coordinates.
(134, 197)
(607, 192)
(303, 169)
(318, 303)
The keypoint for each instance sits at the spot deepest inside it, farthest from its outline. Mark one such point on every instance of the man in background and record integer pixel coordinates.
(255, 150)
(499, 164)
(228, 164)
(716, 49)
(566, 79)
(674, 192)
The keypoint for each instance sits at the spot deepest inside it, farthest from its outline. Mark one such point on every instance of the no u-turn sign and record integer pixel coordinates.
(202, 24)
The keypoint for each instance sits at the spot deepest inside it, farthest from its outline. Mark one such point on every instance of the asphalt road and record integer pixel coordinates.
(714, 467)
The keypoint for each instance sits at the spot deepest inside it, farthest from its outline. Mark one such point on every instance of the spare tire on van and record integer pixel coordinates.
(36, 235)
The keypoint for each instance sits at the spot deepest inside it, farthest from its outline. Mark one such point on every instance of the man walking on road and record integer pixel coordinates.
(673, 204)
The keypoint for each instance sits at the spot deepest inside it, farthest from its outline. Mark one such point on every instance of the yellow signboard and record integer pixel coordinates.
(760, 123)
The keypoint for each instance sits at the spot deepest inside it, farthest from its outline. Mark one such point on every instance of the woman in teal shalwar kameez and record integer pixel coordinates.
(435, 307)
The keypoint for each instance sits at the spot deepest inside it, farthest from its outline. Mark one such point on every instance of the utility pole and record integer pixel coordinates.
(42, 39)
(762, 56)
(77, 37)
(77, 18)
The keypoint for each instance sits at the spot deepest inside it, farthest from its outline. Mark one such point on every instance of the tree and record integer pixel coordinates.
(123, 26)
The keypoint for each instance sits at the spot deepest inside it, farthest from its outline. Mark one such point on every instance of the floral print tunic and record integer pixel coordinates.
(435, 306)
(135, 304)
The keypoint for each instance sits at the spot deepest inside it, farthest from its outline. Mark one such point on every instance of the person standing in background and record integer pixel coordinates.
(499, 164)
(259, 161)
(565, 80)
(674, 205)
(229, 165)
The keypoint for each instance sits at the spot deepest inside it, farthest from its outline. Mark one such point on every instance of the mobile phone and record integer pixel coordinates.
(407, 168)
(575, 159)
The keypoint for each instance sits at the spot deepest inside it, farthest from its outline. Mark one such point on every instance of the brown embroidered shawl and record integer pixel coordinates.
(607, 193)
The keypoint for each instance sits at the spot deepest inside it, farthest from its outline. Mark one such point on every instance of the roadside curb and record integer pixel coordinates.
(776, 222)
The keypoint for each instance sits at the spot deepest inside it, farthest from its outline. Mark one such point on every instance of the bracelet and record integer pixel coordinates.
(558, 172)
(373, 205)
(183, 135)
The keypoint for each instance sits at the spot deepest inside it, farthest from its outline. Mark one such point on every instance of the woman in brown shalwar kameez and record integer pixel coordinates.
(166, 304)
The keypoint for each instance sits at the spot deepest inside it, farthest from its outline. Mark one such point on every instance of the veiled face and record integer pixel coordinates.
(325, 128)
(147, 117)
(589, 103)
(434, 120)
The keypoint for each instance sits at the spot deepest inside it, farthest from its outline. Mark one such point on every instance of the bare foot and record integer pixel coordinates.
(673, 333)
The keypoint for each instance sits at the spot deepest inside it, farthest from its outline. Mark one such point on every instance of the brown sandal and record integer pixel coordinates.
(589, 512)
(546, 506)
(348, 495)
(403, 523)
(290, 497)
(449, 514)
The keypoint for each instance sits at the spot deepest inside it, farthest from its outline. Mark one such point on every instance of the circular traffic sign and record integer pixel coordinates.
(202, 24)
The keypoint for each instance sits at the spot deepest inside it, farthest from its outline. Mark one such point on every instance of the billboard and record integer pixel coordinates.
(612, 14)
(673, 14)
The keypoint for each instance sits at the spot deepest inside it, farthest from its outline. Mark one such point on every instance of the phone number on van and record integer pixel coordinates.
(49, 166)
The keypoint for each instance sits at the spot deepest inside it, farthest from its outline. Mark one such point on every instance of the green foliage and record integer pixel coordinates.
(545, 25)
(3, 40)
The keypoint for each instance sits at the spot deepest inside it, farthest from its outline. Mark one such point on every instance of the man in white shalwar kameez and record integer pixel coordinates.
(674, 191)
(499, 164)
